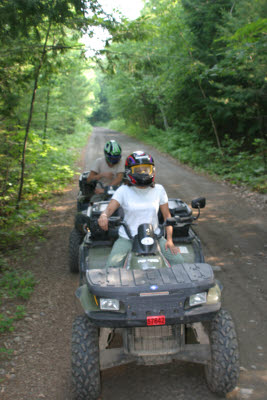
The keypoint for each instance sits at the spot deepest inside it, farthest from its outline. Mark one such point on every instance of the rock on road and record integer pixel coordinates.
(233, 232)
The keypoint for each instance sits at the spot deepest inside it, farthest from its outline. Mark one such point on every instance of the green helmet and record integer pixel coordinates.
(112, 151)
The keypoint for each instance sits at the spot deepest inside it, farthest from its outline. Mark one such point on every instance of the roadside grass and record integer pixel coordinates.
(16, 286)
(50, 168)
(233, 165)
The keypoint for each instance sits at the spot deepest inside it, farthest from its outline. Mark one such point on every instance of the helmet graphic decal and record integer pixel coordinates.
(112, 151)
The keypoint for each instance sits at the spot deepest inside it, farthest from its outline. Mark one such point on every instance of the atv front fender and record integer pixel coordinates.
(86, 299)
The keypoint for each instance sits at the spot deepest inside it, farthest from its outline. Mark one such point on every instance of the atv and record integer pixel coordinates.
(86, 191)
(150, 312)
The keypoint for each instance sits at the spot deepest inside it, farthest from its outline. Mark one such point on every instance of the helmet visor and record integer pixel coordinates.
(113, 159)
(142, 169)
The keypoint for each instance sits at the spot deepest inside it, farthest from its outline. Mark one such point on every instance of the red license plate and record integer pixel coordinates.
(155, 320)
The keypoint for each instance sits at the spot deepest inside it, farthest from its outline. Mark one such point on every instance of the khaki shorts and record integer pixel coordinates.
(122, 246)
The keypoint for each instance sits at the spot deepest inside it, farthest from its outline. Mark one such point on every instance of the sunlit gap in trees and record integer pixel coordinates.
(118, 9)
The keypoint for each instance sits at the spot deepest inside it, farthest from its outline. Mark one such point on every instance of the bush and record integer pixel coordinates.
(49, 167)
(185, 143)
(15, 285)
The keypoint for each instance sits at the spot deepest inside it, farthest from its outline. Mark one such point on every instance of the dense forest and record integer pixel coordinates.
(45, 98)
(194, 73)
(188, 76)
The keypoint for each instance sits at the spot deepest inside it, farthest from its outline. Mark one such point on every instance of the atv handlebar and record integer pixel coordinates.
(117, 221)
(176, 220)
(108, 189)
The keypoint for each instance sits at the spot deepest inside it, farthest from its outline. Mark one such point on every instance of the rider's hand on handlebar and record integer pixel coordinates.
(103, 221)
(170, 245)
(99, 191)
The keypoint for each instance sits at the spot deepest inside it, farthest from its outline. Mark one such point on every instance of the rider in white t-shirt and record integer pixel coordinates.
(140, 200)
(140, 206)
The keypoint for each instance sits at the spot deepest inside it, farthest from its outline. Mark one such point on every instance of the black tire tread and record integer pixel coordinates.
(85, 359)
(222, 372)
(75, 240)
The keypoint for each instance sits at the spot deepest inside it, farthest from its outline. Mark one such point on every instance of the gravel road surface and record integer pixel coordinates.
(233, 230)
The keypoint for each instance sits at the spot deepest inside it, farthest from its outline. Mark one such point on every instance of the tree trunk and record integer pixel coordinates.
(205, 97)
(165, 122)
(232, 8)
(263, 135)
(46, 114)
(211, 120)
(30, 117)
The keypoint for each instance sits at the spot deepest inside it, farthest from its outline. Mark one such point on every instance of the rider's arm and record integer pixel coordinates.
(164, 208)
(169, 229)
(93, 175)
(117, 180)
(111, 208)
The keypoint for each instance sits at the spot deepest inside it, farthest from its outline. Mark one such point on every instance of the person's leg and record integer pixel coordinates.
(97, 197)
(118, 253)
(172, 258)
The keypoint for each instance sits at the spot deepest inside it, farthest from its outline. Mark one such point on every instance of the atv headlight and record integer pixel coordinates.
(109, 304)
(197, 299)
(214, 295)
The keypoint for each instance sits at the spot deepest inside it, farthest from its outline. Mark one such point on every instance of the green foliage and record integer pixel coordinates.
(7, 321)
(24, 26)
(63, 86)
(16, 283)
(44, 97)
(50, 168)
(118, 125)
(99, 101)
(183, 143)
(43, 85)
(203, 18)
(5, 353)
(251, 31)
(199, 74)
(65, 94)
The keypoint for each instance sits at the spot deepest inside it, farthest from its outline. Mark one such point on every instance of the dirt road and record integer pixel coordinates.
(234, 237)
